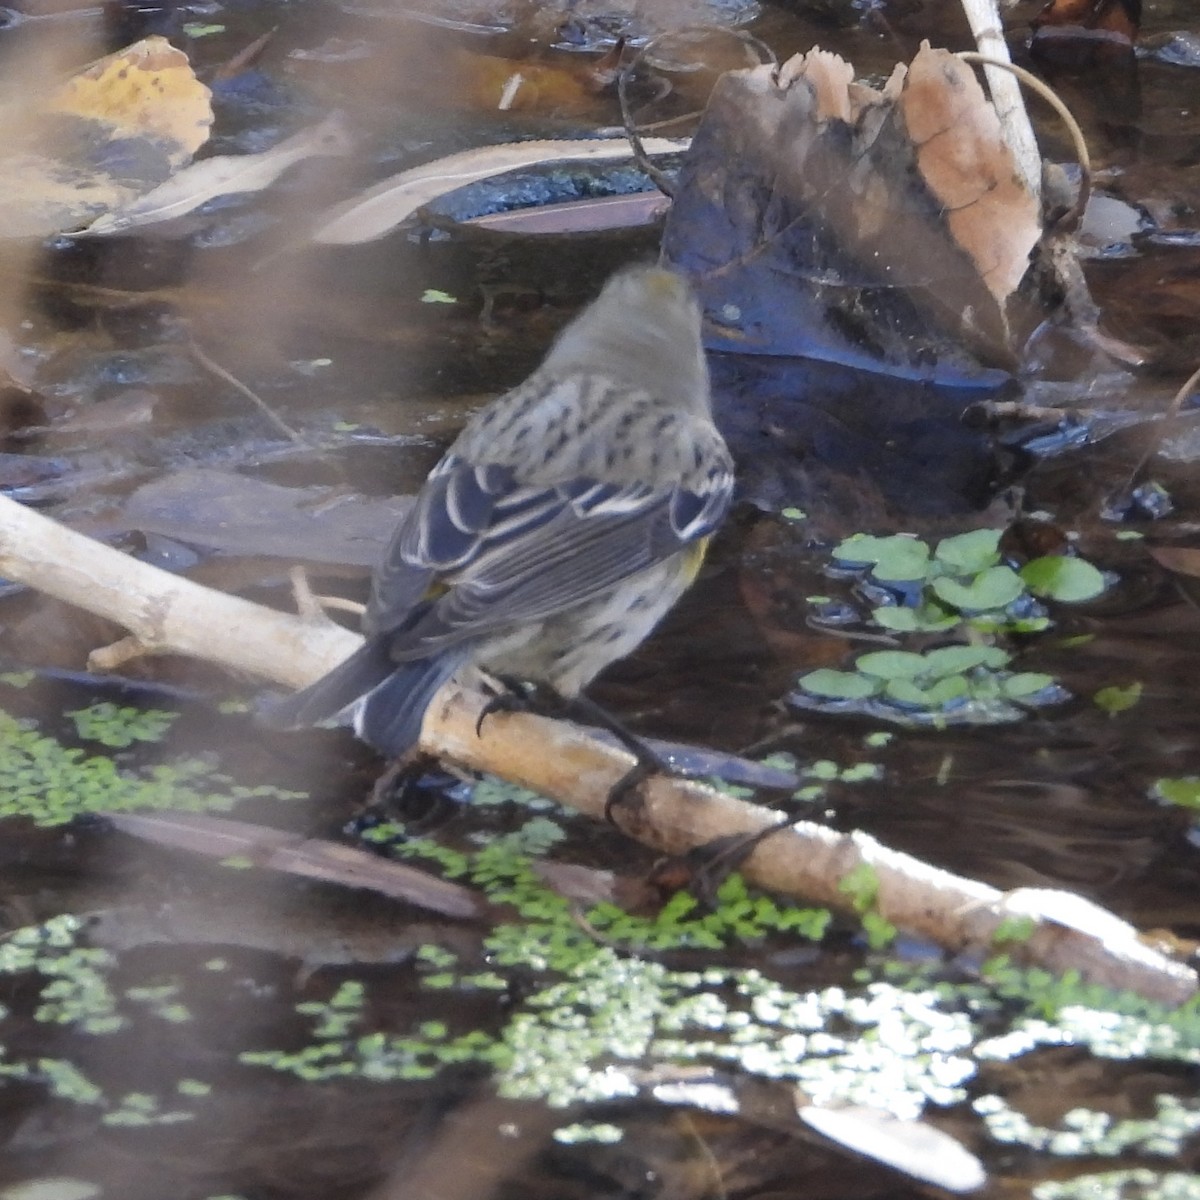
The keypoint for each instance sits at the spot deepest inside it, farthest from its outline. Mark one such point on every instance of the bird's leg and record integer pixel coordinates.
(648, 761)
(515, 695)
(509, 694)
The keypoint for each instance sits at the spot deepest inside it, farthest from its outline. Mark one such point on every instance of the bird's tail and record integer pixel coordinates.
(389, 717)
(384, 701)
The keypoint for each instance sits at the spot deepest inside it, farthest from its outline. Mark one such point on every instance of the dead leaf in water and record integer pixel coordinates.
(1121, 17)
(224, 175)
(1182, 560)
(381, 208)
(147, 90)
(562, 87)
(882, 228)
(235, 514)
(313, 858)
(114, 131)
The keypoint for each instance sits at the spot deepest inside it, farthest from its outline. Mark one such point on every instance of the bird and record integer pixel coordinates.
(566, 519)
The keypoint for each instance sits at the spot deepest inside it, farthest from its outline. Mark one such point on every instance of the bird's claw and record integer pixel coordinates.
(507, 696)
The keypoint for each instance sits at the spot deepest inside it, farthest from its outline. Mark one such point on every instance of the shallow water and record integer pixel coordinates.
(341, 345)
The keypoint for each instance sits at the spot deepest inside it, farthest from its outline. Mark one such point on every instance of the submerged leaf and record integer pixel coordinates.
(381, 208)
(224, 175)
(113, 132)
(146, 90)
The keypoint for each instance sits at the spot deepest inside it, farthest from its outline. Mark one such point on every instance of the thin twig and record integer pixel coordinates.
(1074, 214)
(263, 407)
(1155, 443)
(633, 132)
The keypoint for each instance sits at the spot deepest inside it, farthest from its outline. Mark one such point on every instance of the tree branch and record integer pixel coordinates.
(984, 18)
(562, 761)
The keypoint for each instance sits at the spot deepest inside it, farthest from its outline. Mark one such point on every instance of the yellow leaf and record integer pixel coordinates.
(146, 90)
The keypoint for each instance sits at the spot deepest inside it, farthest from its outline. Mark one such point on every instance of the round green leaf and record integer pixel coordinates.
(1184, 792)
(904, 560)
(897, 619)
(927, 618)
(947, 690)
(956, 660)
(993, 588)
(838, 685)
(1025, 684)
(904, 691)
(1068, 580)
(860, 549)
(1113, 700)
(891, 664)
(895, 559)
(969, 553)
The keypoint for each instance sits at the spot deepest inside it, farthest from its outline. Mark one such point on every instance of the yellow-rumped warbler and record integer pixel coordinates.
(560, 527)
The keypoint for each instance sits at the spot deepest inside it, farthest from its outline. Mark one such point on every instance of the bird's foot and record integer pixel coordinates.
(626, 790)
(509, 695)
(648, 761)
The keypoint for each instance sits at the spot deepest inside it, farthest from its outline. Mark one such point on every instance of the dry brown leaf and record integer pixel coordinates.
(964, 160)
(876, 227)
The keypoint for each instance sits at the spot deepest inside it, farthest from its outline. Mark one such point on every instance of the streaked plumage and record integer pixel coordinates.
(567, 518)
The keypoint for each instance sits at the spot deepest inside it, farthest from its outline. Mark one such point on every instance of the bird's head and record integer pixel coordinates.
(644, 328)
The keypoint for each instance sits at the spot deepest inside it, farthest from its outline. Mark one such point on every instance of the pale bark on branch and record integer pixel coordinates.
(162, 611)
(988, 31)
(806, 862)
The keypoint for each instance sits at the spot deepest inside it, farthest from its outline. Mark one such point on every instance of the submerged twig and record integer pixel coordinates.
(263, 407)
(1193, 381)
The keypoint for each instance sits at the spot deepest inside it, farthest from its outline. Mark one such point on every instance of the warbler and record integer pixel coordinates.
(567, 518)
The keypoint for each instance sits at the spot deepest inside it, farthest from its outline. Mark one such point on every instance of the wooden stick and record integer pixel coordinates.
(984, 18)
(557, 759)
(804, 861)
(165, 612)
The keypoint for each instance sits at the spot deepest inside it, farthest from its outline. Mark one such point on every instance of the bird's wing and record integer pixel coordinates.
(499, 553)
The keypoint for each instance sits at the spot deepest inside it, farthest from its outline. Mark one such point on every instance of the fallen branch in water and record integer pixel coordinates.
(560, 760)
